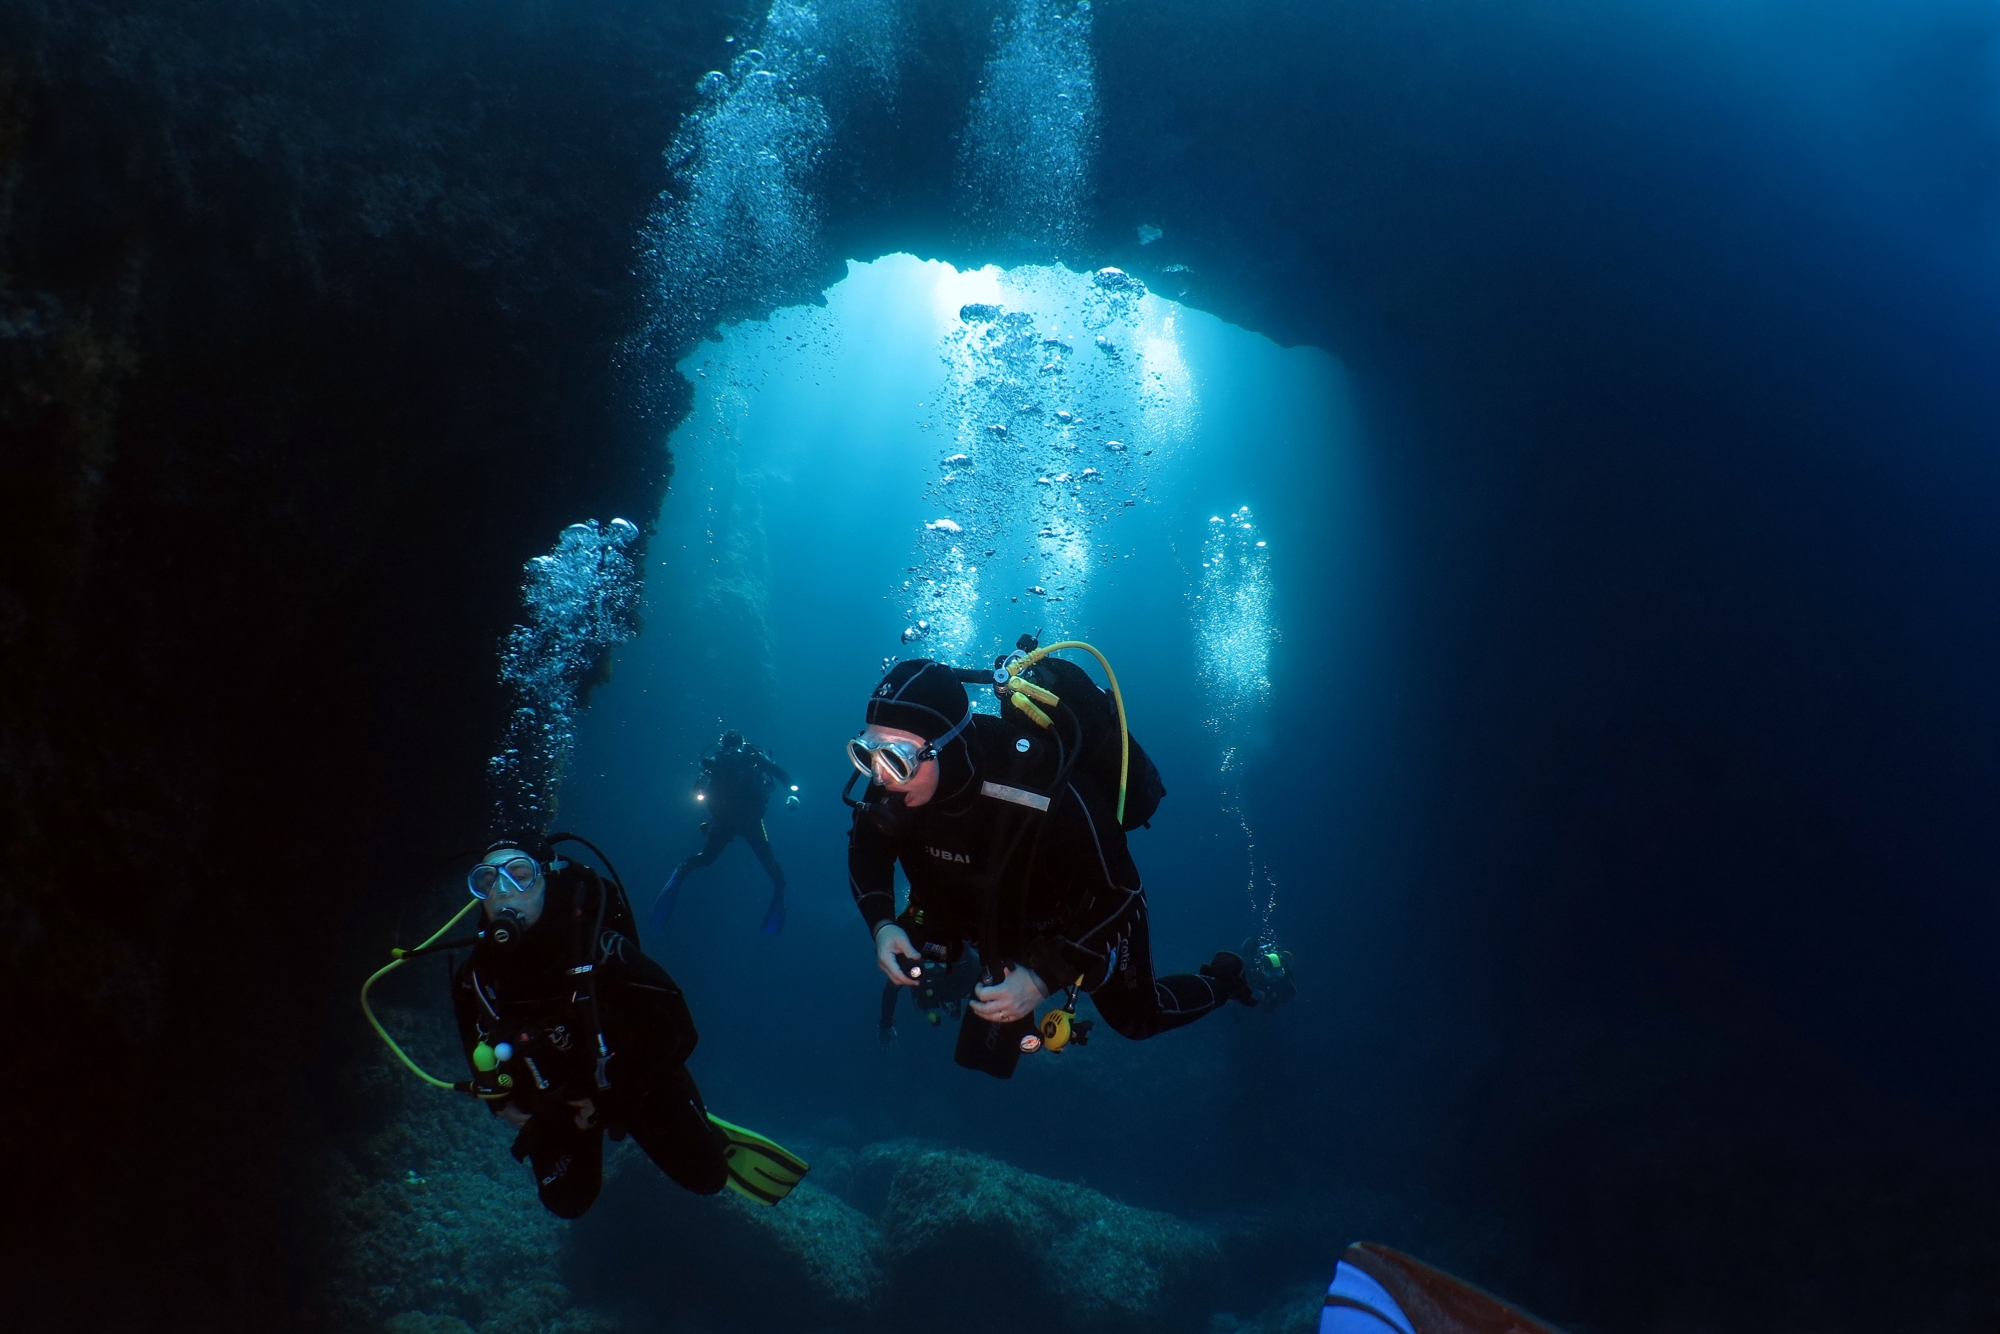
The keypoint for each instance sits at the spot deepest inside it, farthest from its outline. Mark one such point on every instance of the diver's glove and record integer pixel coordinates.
(792, 802)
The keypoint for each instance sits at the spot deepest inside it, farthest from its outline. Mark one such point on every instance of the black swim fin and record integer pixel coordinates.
(1225, 971)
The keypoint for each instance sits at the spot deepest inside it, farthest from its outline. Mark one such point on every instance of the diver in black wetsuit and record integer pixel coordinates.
(735, 785)
(1043, 884)
(575, 1032)
(1270, 974)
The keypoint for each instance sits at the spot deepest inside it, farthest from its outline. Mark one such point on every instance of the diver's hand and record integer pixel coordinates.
(586, 1113)
(513, 1115)
(792, 802)
(1016, 997)
(891, 940)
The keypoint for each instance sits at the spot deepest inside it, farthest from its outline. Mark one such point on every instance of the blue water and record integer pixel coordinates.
(806, 476)
(1606, 721)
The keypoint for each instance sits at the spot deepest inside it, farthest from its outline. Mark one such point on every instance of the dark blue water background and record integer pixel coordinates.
(1631, 756)
(774, 595)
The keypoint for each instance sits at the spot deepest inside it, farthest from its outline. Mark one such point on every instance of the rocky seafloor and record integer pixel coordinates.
(438, 1231)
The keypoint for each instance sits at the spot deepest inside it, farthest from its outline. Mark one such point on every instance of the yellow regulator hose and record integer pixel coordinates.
(1117, 696)
(391, 967)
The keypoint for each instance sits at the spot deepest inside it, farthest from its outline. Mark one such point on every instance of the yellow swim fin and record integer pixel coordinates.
(759, 1169)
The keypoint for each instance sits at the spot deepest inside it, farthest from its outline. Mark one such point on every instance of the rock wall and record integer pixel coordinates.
(312, 330)
(310, 321)
(316, 323)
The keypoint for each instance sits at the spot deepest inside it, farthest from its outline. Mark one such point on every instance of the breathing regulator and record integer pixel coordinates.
(1060, 1028)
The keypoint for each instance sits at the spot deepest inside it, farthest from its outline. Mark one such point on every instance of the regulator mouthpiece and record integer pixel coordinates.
(507, 926)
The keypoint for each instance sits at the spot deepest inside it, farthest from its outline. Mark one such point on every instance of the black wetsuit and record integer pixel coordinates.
(737, 786)
(526, 994)
(1066, 901)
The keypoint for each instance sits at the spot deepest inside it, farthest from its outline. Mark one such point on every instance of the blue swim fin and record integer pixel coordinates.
(670, 894)
(774, 916)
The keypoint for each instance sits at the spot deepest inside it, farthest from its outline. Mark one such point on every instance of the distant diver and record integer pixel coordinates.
(1011, 831)
(735, 785)
(571, 1033)
(1270, 971)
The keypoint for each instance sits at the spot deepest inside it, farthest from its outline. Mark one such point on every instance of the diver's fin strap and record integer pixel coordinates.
(1019, 796)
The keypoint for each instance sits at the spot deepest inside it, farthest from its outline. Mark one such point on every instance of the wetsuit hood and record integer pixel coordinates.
(919, 696)
(923, 697)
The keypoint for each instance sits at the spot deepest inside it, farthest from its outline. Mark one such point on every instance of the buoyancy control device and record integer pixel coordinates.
(1055, 721)
(1023, 746)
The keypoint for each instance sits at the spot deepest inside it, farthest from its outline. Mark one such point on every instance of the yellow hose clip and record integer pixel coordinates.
(1036, 693)
(1030, 698)
(1032, 709)
(1048, 699)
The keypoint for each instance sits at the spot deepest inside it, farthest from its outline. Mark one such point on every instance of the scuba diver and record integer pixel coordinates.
(572, 1033)
(736, 783)
(1270, 971)
(1011, 839)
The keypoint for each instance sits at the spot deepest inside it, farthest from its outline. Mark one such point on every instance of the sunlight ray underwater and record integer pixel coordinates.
(932, 463)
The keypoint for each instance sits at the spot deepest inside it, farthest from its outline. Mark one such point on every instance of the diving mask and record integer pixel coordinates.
(894, 761)
(897, 760)
(515, 874)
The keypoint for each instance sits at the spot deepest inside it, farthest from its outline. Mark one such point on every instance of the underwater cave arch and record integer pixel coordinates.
(928, 463)
(1657, 918)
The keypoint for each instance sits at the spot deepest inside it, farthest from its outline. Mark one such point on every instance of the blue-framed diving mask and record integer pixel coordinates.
(514, 872)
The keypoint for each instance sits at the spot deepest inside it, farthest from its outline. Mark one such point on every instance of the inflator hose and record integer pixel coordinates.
(391, 967)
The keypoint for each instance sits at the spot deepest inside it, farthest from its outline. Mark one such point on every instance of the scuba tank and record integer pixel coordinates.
(1055, 721)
